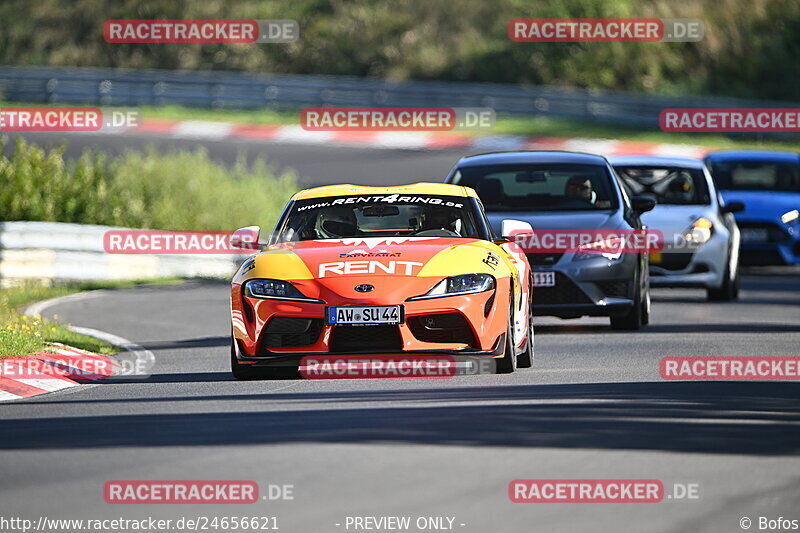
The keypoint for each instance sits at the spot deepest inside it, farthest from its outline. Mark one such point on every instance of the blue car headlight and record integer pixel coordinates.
(455, 285)
(790, 216)
(274, 288)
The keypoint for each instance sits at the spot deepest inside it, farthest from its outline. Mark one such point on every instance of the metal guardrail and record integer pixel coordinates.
(61, 251)
(236, 90)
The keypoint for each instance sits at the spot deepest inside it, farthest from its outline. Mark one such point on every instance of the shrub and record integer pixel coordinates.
(178, 191)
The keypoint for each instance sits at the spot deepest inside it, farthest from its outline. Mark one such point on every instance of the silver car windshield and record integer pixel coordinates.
(540, 187)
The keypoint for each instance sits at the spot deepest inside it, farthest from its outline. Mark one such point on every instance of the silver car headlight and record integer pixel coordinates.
(699, 232)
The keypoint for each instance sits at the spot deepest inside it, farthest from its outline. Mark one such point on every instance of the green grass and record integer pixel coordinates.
(21, 335)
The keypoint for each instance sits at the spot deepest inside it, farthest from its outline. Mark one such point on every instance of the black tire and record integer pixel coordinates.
(525, 359)
(632, 320)
(508, 364)
(646, 309)
(729, 290)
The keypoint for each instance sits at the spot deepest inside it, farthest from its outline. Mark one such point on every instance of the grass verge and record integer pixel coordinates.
(183, 190)
(21, 335)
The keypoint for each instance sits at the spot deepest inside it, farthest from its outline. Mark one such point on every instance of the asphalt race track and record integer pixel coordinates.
(593, 406)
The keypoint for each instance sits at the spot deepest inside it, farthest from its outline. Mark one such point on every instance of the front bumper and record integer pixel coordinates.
(294, 358)
(469, 325)
(764, 254)
(704, 267)
(590, 287)
(781, 247)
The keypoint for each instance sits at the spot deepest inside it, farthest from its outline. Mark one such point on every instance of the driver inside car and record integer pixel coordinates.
(580, 187)
(336, 223)
(443, 221)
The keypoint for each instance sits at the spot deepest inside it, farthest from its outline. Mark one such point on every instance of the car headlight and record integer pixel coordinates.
(790, 216)
(274, 288)
(464, 284)
(699, 232)
(610, 248)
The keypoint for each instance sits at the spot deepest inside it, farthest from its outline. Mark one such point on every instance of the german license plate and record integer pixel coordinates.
(754, 235)
(544, 279)
(364, 316)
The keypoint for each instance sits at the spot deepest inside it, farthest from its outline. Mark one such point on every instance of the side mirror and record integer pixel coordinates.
(512, 228)
(732, 207)
(642, 204)
(246, 238)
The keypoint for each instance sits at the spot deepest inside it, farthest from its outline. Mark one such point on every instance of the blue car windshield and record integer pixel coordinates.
(748, 175)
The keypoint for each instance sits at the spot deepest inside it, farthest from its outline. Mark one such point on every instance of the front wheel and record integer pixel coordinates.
(729, 290)
(508, 363)
(525, 359)
(646, 309)
(635, 318)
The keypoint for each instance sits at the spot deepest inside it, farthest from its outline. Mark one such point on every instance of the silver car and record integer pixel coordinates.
(701, 239)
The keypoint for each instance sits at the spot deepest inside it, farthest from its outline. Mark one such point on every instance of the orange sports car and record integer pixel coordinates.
(409, 270)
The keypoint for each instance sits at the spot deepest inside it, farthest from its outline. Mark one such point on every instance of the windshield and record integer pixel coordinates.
(540, 187)
(666, 185)
(379, 216)
(756, 175)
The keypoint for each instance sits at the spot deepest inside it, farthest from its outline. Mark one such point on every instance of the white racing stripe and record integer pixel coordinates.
(36, 309)
(297, 134)
(8, 396)
(48, 384)
(137, 361)
(200, 129)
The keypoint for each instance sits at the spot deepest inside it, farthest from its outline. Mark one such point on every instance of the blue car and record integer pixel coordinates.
(768, 184)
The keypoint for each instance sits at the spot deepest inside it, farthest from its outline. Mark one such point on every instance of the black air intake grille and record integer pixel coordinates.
(366, 338)
(285, 332)
(614, 288)
(444, 328)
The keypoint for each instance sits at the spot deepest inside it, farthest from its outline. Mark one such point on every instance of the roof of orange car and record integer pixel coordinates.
(439, 189)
